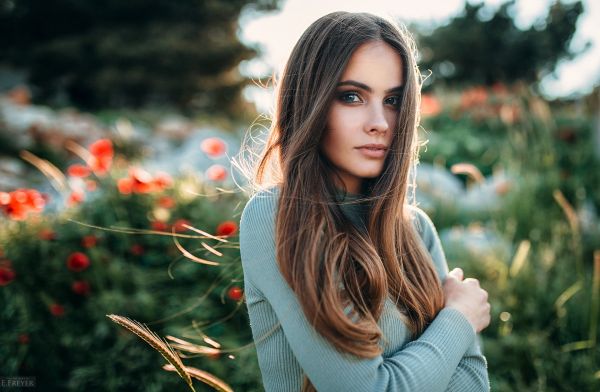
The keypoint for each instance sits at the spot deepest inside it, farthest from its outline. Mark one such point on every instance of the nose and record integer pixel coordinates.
(377, 121)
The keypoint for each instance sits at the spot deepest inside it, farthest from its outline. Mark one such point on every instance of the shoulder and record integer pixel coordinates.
(257, 237)
(422, 224)
(257, 223)
(429, 235)
(261, 207)
(420, 220)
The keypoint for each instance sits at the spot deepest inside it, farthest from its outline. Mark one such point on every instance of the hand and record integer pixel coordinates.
(467, 297)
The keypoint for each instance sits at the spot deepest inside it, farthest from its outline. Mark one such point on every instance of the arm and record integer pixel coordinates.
(425, 364)
(471, 373)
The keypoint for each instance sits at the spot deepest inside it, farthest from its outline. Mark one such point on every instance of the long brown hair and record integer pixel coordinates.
(317, 249)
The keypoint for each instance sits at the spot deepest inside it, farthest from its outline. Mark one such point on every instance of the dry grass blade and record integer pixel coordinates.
(576, 346)
(182, 345)
(469, 170)
(565, 296)
(568, 210)
(208, 340)
(212, 342)
(196, 349)
(57, 178)
(205, 377)
(211, 249)
(191, 256)
(208, 235)
(520, 258)
(130, 230)
(78, 150)
(153, 340)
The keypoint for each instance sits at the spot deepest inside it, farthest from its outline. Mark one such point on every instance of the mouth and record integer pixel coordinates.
(374, 152)
(373, 147)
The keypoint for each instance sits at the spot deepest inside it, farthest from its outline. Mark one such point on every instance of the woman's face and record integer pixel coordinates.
(364, 113)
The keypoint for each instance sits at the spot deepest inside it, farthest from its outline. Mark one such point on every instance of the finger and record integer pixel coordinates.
(457, 273)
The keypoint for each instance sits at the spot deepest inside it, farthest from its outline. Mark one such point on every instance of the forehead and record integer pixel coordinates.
(376, 64)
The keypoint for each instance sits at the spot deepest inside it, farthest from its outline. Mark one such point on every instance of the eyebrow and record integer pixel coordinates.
(367, 88)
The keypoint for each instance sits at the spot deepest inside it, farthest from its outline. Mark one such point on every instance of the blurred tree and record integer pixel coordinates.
(475, 49)
(111, 53)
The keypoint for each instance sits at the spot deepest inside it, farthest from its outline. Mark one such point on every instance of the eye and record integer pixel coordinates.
(349, 97)
(394, 101)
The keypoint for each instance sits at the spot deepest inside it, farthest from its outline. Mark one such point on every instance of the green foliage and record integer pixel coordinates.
(544, 334)
(107, 53)
(133, 273)
(545, 312)
(473, 49)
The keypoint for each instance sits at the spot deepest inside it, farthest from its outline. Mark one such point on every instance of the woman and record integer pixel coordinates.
(343, 280)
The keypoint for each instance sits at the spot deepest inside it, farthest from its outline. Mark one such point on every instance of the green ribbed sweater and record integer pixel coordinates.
(445, 357)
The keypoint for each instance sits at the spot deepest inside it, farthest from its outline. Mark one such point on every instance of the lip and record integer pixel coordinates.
(373, 150)
(374, 146)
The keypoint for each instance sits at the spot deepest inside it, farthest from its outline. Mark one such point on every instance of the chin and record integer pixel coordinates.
(370, 174)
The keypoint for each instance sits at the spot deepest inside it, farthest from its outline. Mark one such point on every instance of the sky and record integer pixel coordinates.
(275, 33)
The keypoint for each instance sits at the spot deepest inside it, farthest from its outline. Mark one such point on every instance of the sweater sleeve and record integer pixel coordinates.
(471, 373)
(424, 364)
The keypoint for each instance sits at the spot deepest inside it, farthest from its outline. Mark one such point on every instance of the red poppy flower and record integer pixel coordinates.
(19, 95)
(102, 155)
(235, 293)
(76, 197)
(141, 180)
(45, 197)
(472, 97)
(4, 198)
(430, 105)
(500, 89)
(503, 188)
(47, 234)
(166, 202)
(568, 135)
(159, 226)
(91, 185)
(102, 148)
(78, 170)
(162, 181)
(178, 225)
(78, 262)
(214, 147)
(226, 228)
(57, 310)
(89, 241)
(23, 338)
(136, 250)
(125, 185)
(100, 165)
(7, 275)
(80, 287)
(19, 203)
(35, 200)
(216, 173)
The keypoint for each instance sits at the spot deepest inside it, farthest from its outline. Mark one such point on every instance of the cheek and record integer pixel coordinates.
(334, 125)
(333, 143)
(341, 118)
(333, 120)
(392, 118)
(330, 144)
